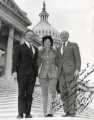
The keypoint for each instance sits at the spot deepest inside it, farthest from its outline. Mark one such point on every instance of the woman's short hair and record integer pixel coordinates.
(47, 37)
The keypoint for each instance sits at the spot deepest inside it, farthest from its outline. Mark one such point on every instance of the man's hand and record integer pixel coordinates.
(14, 75)
(76, 73)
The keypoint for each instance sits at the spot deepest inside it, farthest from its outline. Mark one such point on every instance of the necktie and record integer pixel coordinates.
(32, 48)
(62, 48)
(63, 44)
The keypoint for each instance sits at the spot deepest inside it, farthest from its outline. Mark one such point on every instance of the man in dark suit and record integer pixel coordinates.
(25, 68)
(69, 68)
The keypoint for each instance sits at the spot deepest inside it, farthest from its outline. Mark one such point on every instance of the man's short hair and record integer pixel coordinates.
(28, 30)
(65, 33)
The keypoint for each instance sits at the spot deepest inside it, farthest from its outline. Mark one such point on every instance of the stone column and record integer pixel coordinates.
(0, 29)
(0, 24)
(9, 54)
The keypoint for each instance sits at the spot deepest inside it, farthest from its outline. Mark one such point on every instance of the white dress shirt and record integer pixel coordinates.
(62, 48)
(30, 45)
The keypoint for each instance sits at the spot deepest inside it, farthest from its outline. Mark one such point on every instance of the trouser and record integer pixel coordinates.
(48, 88)
(68, 90)
(25, 90)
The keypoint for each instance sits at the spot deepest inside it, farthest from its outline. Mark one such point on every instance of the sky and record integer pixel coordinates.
(75, 16)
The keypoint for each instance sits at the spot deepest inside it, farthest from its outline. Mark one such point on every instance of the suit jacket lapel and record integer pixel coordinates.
(66, 47)
(26, 47)
(29, 50)
(69, 44)
(33, 54)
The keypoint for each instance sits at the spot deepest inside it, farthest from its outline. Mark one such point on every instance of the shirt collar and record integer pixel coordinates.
(66, 43)
(27, 43)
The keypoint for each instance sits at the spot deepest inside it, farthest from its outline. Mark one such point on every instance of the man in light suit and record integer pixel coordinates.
(26, 70)
(69, 68)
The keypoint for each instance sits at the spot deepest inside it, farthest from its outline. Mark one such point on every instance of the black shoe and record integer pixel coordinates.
(66, 115)
(69, 115)
(20, 116)
(49, 115)
(72, 115)
(28, 116)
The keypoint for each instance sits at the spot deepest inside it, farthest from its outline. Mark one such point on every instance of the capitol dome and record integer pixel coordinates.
(44, 27)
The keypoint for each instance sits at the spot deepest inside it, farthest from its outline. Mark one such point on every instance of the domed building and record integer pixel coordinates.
(44, 27)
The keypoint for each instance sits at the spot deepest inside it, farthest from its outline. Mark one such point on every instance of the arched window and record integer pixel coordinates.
(39, 32)
(36, 32)
(55, 34)
(46, 32)
(42, 31)
(49, 32)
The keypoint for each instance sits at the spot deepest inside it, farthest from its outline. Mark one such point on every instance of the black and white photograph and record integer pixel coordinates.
(47, 59)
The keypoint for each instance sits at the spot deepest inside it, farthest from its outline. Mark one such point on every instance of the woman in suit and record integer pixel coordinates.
(48, 71)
